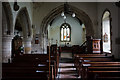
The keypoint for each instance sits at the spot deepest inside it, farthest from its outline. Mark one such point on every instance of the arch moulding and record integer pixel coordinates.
(79, 14)
(9, 16)
(23, 14)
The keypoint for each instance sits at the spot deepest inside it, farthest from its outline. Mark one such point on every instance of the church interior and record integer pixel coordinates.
(60, 40)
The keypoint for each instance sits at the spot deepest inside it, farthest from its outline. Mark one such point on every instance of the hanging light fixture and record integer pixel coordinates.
(67, 10)
(73, 15)
(16, 6)
(117, 4)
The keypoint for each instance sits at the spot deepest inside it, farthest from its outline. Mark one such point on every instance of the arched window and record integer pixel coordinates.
(106, 32)
(65, 32)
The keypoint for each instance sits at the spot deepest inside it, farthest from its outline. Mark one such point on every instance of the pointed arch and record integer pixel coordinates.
(24, 19)
(79, 14)
(7, 13)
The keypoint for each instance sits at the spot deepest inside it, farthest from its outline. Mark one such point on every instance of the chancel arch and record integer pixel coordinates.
(81, 15)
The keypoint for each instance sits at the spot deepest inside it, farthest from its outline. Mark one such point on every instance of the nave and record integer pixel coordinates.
(67, 70)
(37, 37)
(53, 66)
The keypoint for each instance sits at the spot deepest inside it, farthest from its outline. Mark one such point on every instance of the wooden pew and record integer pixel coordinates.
(100, 75)
(97, 59)
(24, 72)
(95, 54)
(97, 66)
(56, 53)
(77, 60)
(104, 68)
(80, 58)
(30, 63)
(25, 61)
(89, 67)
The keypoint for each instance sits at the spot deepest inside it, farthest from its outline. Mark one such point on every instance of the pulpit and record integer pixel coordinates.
(93, 45)
(96, 45)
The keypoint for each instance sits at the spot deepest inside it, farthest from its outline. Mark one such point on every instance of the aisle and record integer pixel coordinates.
(66, 70)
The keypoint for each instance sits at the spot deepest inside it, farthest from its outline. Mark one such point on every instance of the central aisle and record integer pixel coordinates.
(67, 70)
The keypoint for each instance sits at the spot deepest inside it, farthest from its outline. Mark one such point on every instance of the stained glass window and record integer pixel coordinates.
(65, 32)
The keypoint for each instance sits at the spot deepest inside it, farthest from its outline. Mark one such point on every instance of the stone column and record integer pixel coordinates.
(6, 48)
(45, 44)
(27, 45)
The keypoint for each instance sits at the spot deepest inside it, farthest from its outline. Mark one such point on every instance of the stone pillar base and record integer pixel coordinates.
(6, 48)
(27, 46)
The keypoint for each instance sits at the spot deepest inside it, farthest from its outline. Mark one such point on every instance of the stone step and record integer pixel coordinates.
(69, 79)
(67, 67)
(66, 64)
(71, 74)
(67, 72)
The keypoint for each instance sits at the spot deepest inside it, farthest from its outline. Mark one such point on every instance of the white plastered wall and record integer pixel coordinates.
(114, 23)
(76, 31)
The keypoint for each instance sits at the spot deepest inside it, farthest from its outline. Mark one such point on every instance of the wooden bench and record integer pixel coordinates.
(36, 58)
(25, 72)
(98, 66)
(80, 59)
(99, 75)
(91, 58)
(95, 54)
(28, 65)
(77, 57)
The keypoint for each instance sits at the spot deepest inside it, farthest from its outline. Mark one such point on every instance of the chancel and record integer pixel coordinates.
(60, 40)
